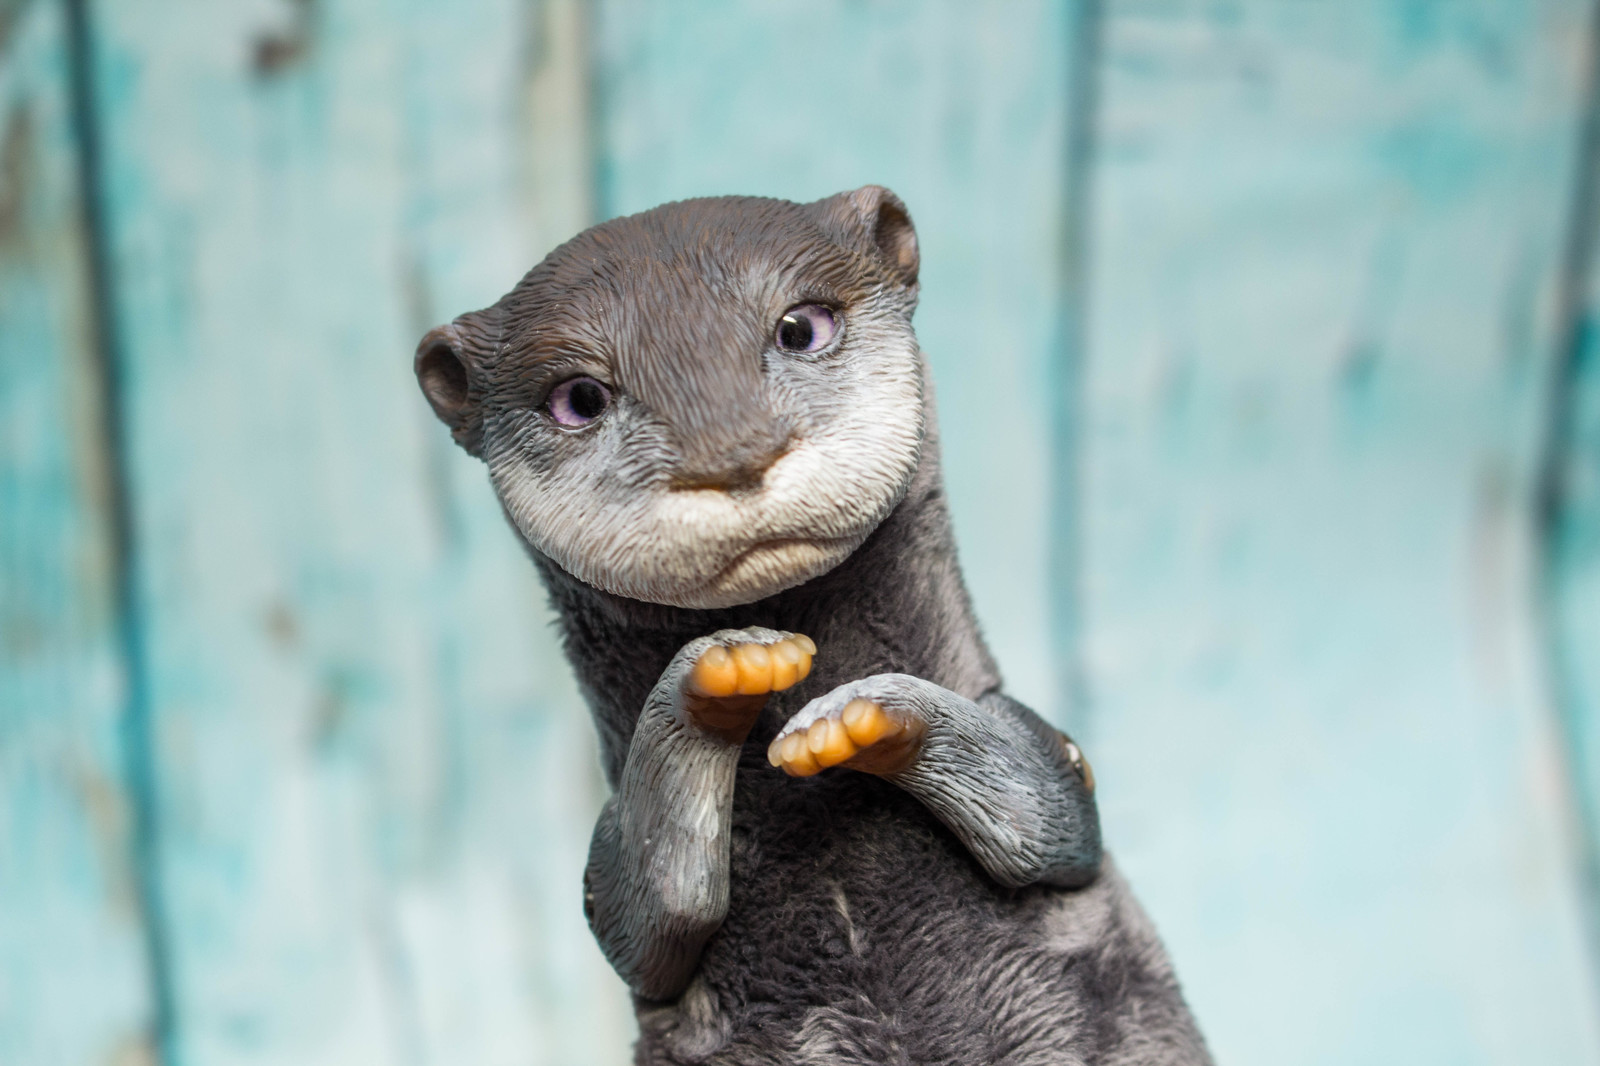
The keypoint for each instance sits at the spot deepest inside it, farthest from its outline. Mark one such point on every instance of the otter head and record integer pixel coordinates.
(703, 404)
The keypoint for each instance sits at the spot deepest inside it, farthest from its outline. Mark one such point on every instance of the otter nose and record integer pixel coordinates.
(697, 365)
(741, 466)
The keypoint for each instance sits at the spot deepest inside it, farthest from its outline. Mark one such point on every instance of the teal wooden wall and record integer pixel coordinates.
(1265, 334)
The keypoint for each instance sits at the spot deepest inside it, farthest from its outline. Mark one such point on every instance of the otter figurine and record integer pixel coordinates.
(832, 837)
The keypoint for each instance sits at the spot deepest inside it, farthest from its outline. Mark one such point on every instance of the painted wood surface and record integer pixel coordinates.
(73, 977)
(1573, 591)
(1570, 506)
(375, 781)
(1292, 399)
(1325, 241)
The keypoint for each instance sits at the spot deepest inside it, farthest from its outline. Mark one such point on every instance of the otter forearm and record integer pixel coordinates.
(1014, 790)
(656, 886)
(1005, 787)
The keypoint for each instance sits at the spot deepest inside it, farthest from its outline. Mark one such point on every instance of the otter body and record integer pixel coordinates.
(940, 896)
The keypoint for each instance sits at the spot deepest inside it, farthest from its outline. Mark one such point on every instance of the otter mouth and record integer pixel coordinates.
(768, 567)
(784, 546)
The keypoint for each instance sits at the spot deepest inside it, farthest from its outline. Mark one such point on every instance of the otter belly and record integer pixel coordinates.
(859, 930)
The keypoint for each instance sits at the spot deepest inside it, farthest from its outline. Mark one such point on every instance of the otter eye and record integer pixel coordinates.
(807, 328)
(578, 402)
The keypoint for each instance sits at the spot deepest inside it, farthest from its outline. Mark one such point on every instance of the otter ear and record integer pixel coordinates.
(874, 220)
(449, 369)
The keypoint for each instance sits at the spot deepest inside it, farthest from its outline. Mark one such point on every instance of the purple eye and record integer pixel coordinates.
(807, 328)
(578, 402)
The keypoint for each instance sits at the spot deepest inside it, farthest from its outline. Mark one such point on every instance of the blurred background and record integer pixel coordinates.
(1271, 403)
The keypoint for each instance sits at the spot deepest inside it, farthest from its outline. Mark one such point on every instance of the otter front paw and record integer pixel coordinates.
(731, 678)
(751, 668)
(845, 729)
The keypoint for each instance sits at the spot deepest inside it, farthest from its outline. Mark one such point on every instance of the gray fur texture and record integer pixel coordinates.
(955, 910)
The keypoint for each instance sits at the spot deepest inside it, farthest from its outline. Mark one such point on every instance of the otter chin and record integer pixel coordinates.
(767, 569)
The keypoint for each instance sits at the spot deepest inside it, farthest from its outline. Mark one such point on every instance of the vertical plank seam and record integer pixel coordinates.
(1551, 491)
(1083, 27)
(108, 365)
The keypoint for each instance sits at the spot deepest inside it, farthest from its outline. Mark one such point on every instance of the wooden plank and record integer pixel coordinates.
(1570, 497)
(1574, 595)
(1575, 590)
(1324, 243)
(961, 109)
(376, 781)
(73, 972)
